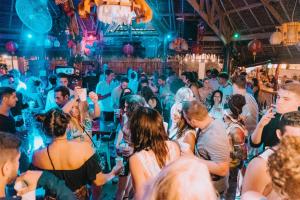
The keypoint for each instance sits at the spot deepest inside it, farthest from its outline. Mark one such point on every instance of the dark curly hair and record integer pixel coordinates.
(236, 104)
(212, 102)
(55, 122)
(148, 133)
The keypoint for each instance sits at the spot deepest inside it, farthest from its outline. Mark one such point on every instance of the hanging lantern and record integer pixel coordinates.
(196, 49)
(276, 38)
(128, 49)
(255, 46)
(179, 44)
(11, 47)
(290, 32)
(122, 11)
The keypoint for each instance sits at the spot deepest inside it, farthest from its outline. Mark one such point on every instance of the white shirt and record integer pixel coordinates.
(103, 88)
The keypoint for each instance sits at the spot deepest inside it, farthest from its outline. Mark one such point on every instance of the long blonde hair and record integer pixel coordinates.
(185, 179)
(78, 121)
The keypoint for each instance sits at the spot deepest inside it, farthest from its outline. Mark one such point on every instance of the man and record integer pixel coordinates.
(8, 80)
(8, 100)
(19, 85)
(62, 80)
(288, 100)
(164, 89)
(225, 87)
(116, 93)
(213, 81)
(250, 110)
(212, 143)
(104, 90)
(9, 165)
(61, 96)
(257, 178)
(133, 82)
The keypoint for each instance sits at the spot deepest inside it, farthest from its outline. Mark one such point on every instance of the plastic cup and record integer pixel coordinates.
(82, 94)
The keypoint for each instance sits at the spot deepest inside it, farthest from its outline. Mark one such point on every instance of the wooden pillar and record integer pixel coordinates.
(226, 64)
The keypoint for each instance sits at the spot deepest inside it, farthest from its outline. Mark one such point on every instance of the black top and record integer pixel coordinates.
(7, 124)
(269, 137)
(77, 178)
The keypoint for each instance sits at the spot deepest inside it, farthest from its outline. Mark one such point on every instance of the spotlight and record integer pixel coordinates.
(29, 35)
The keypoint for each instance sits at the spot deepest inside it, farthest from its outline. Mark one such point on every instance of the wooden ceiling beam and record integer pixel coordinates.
(205, 16)
(284, 10)
(243, 8)
(273, 11)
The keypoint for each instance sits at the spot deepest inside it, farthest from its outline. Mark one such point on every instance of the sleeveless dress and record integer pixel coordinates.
(149, 162)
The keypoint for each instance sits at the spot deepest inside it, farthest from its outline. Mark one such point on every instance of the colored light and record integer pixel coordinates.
(37, 142)
(29, 36)
(236, 35)
(169, 36)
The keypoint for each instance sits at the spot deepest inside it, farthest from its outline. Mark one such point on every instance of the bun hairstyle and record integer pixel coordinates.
(55, 122)
(236, 104)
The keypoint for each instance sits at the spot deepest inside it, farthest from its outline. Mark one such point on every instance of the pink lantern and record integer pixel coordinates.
(128, 49)
(11, 47)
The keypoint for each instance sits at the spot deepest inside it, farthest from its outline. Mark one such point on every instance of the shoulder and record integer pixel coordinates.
(39, 157)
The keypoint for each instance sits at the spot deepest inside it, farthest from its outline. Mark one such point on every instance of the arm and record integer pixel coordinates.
(217, 168)
(191, 140)
(56, 186)
(195, 92)
(97, 111)
(36, 179)
(256, 177)
(256, 137)
(101, 178)
(68, 107)
(138, 177)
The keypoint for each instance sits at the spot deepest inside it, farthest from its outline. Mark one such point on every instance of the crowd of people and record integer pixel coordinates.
(176, 137)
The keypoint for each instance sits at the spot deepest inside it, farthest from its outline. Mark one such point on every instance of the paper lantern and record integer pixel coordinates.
(128, 49)
(196, 49)
(276, 38)
(11, 47)
(255, 46)
(179, 44)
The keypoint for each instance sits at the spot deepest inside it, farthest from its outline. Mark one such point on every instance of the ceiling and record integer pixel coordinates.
(253, 19)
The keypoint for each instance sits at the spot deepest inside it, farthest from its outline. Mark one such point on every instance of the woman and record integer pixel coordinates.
(82, 117)
(237, 136)
(123, 144)
(185, 136)
(205, 92)
(152, 150)
(191, 82)
(183, 94)
(151, 99)
(216, 110)
(74, 162)
(185, 179)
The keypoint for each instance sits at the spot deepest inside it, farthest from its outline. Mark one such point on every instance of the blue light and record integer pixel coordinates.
(37, 142)
(169, 36)
(29, 35)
